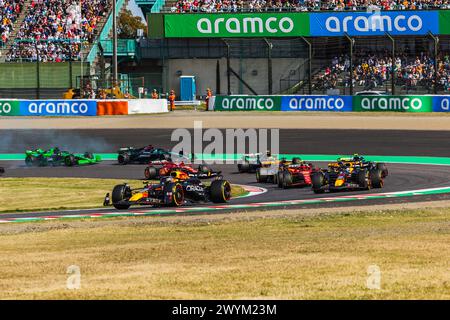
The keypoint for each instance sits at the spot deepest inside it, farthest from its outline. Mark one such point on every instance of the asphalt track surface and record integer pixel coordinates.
(401, 176)
(296, 141)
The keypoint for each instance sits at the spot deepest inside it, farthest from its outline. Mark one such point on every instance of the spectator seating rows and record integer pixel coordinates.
(210, 6)
(373, 69)
(9, 12)
(53, 29)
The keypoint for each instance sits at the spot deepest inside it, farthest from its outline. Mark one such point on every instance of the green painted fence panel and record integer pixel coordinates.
(236, 25)
(393, 103)
(247, 103)
(9, 108)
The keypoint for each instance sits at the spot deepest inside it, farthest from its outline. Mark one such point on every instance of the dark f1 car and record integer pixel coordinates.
(349, 174)
(202, 171)
(143, 155)
(176, 190)
(56, 157)
(253, 161)
(295, 173)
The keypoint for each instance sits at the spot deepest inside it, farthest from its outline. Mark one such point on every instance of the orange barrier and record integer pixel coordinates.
(112, 108)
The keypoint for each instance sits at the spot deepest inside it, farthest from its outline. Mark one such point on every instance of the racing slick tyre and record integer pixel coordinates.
(120, 192)
(296, 161)
(42, 161)
(384, 171)
(244, 167)
(275, 178)
(69, 161)
(317, 181)
(30, 161)
(376, 178)
(176, 197)
(204, 169)
(280, 179)
(261, 178)
(123, 158)
(2, 171)
(88, 155)
(150, 173)
(287, 180)
(220, 191)
(363, 182)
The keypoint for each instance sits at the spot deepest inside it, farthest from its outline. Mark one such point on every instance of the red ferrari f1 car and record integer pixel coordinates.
(295, 174)
(153, 171)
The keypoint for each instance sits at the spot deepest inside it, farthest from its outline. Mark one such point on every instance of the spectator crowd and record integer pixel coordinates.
(9, 12)
(211, 6)
(373, 70)
(54, 29)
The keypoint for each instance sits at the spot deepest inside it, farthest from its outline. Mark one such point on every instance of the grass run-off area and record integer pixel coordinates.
(284, 257)
(37, 194)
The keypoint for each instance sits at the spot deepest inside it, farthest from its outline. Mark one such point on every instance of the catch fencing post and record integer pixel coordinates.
(228, 68)
(393, 64)
(70, 64)
(218, 77)
(352, 43)
(436, 47)
(269, 65)
(38, 73)
(309, 64)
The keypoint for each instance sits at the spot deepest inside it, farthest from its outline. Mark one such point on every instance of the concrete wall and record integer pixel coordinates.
(253, 71)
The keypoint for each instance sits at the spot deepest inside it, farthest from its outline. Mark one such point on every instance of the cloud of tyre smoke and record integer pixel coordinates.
(17, 141)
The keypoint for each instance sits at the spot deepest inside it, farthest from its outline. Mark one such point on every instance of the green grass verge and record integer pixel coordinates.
(39, 194)
(318, 257)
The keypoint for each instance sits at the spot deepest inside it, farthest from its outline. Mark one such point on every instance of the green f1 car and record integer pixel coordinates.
(55, 157)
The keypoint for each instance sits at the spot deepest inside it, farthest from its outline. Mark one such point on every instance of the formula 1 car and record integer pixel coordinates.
(56, 157)
(250, 162)
(253, 161)
(270, 169)
(349, 174)
(176, 190)
(202, 172)
(295, 173)
(143, 155)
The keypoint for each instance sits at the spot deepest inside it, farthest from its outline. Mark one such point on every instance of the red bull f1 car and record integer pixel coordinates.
(349, 174)
(176, 190)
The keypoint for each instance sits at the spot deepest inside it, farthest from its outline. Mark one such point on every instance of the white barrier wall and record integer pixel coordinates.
(138, 106)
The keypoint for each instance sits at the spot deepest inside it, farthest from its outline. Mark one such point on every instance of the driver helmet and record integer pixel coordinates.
(179, 175)
(268, 153)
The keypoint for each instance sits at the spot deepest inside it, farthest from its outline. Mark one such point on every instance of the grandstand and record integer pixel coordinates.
(10, 12)
(36, 34)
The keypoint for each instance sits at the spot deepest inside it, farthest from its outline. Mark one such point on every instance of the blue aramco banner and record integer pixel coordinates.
(58, 108)
(316, 103)
(372, 23)
(441, 104)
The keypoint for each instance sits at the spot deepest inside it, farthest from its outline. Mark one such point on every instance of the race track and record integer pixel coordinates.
(402, 177)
